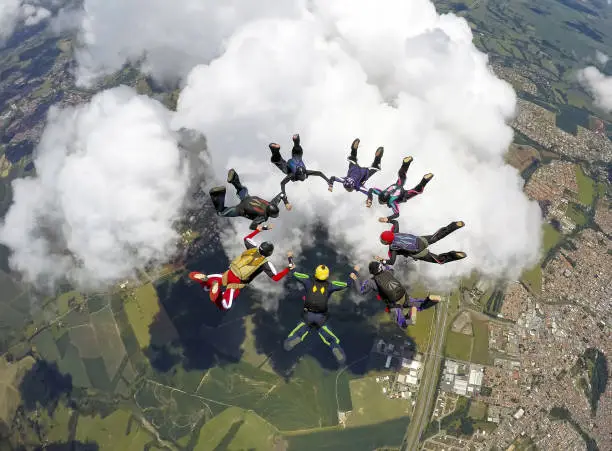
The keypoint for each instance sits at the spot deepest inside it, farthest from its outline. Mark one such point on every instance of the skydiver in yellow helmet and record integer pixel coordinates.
(317, 291)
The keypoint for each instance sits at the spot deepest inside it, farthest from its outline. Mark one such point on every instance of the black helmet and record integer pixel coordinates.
(375, 268)
(300, 173)
(266, 248)
(272, 211)
(384, 197)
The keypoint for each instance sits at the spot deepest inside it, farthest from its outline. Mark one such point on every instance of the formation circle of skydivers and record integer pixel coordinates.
(225, 287)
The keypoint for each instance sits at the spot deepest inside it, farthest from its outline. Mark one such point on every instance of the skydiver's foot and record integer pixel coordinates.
(198, 276)
(434, 298)
(214, 291)
(291, 342)
(339, 355)
(275, 148)
(231, 176)
(296, 139)
(407, 160)
(424, 181)
(459, 255)
(217, 190)
(355, 144)
(217, 196)
(377, 159)
(413, 314)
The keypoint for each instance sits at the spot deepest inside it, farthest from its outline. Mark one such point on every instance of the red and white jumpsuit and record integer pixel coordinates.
(226, 296)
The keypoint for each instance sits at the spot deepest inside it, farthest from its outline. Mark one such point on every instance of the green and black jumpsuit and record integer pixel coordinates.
(315, 314)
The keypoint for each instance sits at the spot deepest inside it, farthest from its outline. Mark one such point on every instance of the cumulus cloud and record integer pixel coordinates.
(601, 57)
(599, 85)
(169, 37)
(110, 183)
(12, 12)
(401, 76)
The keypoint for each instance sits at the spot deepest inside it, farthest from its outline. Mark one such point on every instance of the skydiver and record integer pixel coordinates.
(317, 293)
(224, 288)
(416, 247)
(402, 308)
(295, 169)
(356, 176)
(396, 194)
(254, 208)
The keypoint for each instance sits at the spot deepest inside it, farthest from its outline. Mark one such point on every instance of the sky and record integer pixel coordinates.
(396, 74)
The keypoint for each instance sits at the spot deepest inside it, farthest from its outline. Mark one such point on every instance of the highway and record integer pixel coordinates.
(431, 370)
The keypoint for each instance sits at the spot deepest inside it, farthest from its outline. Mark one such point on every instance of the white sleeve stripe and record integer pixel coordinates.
(251, 242)
(272, 268)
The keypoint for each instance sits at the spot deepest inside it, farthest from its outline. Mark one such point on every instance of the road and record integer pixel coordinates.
(431, 370)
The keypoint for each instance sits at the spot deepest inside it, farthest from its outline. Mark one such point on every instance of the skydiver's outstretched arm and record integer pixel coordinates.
(284, 182)
(334, 179)
(365, 287)
(248, 240)
(281, 196)
(303, 279)
(392, 257)
(271, 272)
(395, 208)
(318, 174)
(259, 222)
(371, 193)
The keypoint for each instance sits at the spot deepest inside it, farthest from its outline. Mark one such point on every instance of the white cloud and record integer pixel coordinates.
(325, 75)
(12, 12)
(599, 85)
(601, 57)
(110, 183)
(175, 35)
(401, 76)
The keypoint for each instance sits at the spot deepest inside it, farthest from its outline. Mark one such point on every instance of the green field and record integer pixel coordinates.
(111, 347)
(458, 346)
(420, 331)
(586, 187)
(478, 410)
(532, 278)
(63, 300)
(237, 429)
(551, 238)
(365, 438)
(141, 310)
(480, 351)
(576, 215)
(371, 405)
(115, 432)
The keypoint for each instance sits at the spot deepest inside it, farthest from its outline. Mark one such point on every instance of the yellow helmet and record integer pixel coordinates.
(322, 272)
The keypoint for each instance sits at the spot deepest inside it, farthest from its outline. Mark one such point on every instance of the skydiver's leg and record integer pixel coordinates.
(422, 304)
(441, 259)
(353, 155)
(297, 152)
(401, 174)
(241, 190)
(230, 212)
(410, 193)
(296, 336)
(444, 231)
(318, 174)
(277, 159)
(331, 340)
(226, 299)
(217, 196)
(376, 163)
